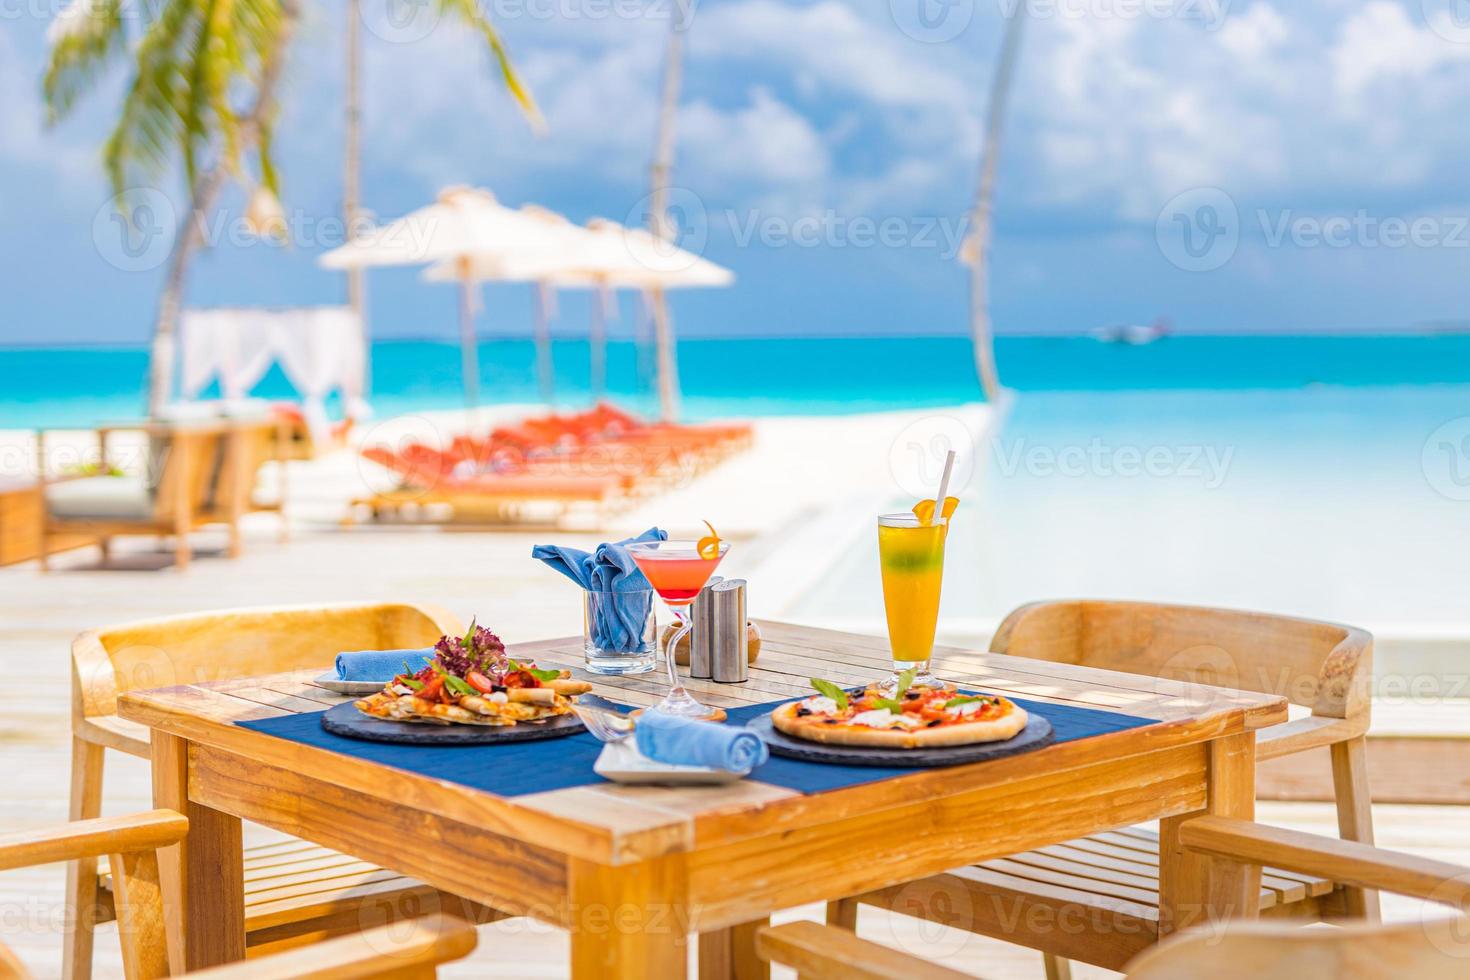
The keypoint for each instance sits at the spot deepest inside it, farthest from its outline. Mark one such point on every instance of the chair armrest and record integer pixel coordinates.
(1314, 731)
(821, 952)
(1343, 861)
(398, 950)
(92, 838)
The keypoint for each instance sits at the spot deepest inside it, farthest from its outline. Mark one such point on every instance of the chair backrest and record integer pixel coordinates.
(1322, 666)
(235, 643)
(249, 444)
(189, 461)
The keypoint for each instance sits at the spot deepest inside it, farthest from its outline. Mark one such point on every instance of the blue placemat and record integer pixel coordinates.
(518, 768)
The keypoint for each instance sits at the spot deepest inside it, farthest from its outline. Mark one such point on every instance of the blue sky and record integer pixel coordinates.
(1312, 153)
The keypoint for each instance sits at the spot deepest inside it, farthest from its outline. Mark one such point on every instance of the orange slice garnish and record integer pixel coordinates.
(709, 545)
(924, 509)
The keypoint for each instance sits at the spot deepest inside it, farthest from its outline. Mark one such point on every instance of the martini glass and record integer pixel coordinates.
(677, 571)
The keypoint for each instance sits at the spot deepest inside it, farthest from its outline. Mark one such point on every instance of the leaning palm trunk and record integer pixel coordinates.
(352, 180)
(191, 228)
(658, 222)
(981, 216)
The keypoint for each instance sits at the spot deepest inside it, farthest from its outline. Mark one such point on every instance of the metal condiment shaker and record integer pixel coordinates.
(731, 653)
(702, 645)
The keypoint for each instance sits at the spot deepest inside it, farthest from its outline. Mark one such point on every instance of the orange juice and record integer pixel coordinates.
(911, 555)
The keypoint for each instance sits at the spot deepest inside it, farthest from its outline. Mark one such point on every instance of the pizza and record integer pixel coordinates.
(470, 681)
(913, 717)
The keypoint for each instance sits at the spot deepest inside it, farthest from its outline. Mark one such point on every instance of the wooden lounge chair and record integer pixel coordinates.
(131, 844)
(1357, 950)
(198, 474)
(1113, 877)
(294, 891)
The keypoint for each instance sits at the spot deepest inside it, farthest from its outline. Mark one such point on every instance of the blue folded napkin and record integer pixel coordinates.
(683, 742)
(379, 665)
(618, 617)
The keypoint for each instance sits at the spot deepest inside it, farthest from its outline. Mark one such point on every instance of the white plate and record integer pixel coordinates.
(623, 763)
(330, 682)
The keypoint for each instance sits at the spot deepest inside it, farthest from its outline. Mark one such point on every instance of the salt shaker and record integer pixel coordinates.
(701, 644)
(730, 663)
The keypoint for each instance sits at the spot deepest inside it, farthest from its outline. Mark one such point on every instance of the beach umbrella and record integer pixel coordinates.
(607, 256)
(464, 228)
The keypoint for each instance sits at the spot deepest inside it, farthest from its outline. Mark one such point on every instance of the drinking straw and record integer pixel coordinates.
(943, 487)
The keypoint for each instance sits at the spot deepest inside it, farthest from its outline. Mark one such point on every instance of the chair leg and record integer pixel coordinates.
(181, 552)
(81, 876)
(1354, 814)
(104, 545)
(236, 542)
(843, 914)
(1056, 967)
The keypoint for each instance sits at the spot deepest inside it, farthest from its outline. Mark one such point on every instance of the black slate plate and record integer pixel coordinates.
(346, 720)
(1036, 735)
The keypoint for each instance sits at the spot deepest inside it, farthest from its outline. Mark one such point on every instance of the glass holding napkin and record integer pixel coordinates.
(618, 605)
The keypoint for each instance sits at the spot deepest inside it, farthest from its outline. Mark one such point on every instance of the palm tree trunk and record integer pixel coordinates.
(352, 181)
(981, 216)
(658, 221)
(190, 233)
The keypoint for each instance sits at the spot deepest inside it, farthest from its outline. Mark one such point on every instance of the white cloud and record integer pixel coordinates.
(1378, 43)
(764, 142)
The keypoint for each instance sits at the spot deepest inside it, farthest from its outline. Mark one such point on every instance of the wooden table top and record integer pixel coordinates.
(614, 824)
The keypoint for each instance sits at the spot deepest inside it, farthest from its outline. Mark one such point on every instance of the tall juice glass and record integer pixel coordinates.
(911, 554)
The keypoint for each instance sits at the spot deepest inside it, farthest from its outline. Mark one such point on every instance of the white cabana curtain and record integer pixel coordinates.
(319, 350)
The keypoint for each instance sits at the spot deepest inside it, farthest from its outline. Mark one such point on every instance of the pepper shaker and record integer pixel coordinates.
(730, 656)
(701, 644)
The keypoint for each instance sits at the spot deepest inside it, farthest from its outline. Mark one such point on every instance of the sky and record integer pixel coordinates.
(1233, 165)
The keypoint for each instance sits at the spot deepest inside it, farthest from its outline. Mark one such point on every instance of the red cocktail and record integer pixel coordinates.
(678, 570)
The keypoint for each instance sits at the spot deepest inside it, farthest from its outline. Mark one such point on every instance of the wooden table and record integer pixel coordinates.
(633, 871)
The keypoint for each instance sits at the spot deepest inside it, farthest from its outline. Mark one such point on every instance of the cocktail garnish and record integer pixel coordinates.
(709, 545)
(832, 691)
(924, 510)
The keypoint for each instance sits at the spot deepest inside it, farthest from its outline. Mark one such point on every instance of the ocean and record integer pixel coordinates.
(763, 376)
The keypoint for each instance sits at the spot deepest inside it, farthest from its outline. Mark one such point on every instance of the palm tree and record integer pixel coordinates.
(659, 224)
(203, 93)
(978, 246)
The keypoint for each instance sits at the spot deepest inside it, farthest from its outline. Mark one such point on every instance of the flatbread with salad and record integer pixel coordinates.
(469, 680)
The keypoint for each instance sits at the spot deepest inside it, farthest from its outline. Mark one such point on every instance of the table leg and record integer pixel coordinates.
(202, 878)
(628, 922)
(729, 954)
(1194, 889)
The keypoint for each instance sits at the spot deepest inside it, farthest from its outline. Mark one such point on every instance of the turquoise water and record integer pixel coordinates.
(82, 386)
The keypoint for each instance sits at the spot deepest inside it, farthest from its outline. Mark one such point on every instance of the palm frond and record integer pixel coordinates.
(468, 12)
(85, 37)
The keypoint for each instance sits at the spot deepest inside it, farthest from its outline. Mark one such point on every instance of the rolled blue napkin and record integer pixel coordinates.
(378, 665)
(617, 622)
(683, 742)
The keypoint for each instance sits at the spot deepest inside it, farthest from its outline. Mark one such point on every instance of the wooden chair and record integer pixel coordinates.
(1356, 950)
(196, 474)
(294, 891)
(1113, 877)
(131, 844)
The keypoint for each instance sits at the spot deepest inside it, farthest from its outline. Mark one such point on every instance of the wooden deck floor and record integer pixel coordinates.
(484, 575)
